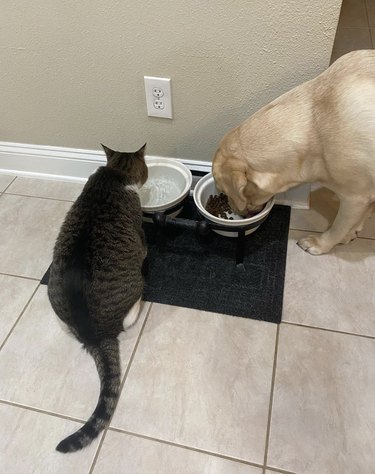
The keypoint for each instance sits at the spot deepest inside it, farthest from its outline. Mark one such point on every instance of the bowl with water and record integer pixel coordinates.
(168, 183)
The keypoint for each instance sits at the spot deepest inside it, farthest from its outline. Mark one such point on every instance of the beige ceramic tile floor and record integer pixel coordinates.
(202, 393)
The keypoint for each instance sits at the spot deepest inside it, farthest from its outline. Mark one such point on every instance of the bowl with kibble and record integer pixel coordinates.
(214, 207)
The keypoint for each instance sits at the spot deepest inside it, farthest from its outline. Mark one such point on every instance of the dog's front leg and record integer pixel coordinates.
(349, 220)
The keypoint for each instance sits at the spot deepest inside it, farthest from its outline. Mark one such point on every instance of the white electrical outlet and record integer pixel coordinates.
(157, 92)
(158, 96)
(159, 104)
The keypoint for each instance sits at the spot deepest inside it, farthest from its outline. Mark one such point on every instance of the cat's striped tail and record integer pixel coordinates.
(107, 359)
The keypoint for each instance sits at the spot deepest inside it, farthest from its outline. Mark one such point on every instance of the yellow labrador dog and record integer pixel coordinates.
(321, 131)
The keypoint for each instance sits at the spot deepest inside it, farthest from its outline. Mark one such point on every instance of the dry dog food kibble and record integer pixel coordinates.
(218, 206)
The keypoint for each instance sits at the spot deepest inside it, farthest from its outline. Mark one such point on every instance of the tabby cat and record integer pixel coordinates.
(96, 283)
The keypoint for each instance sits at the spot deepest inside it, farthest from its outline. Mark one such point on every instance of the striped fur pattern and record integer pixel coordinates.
(96, 275)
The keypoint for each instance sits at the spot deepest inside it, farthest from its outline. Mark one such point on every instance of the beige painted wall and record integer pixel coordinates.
(71, 72)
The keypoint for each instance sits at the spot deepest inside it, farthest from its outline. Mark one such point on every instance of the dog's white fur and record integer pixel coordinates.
(321, 131)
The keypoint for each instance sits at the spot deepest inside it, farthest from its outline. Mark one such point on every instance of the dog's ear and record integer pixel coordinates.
(267, 182)
(238, 184)
(218, 170)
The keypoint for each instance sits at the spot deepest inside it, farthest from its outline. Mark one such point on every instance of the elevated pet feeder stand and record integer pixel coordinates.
(203, 227)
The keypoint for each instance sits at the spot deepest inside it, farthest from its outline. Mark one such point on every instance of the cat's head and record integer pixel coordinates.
(132, 164)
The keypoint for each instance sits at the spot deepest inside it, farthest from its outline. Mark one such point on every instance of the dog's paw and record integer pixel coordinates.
(313, 245)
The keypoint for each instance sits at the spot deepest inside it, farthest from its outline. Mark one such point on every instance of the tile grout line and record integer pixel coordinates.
(43, 412)
(321, 231)
(13, 180)
(20, 276)
(183, 446)
(271, 399)
(38, 197)
(336, 331)
(137, 435)
(81, 420)
(120, 391)
(279, 471)
(19, 317)
(306, 230)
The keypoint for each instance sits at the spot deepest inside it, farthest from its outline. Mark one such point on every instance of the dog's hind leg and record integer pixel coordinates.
(349, 220)
(358, 227)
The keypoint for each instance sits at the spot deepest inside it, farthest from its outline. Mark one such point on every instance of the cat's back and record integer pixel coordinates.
(102, 234)
(99, 252)
(107, 210)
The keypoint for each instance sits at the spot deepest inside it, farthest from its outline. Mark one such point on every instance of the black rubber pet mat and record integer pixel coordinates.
(201, 273)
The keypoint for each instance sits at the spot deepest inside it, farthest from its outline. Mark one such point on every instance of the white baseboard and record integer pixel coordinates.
(298, 198)
(76, 165)
(49, 162)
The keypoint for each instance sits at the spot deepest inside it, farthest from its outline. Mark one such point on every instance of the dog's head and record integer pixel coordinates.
(246, 189)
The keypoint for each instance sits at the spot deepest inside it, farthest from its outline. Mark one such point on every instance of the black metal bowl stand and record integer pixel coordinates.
(202, 226)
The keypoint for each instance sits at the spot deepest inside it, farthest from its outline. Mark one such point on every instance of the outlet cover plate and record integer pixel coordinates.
(153, 103)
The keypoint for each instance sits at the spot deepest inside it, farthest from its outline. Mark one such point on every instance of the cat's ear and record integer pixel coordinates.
(141, 152)
(107, 151)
